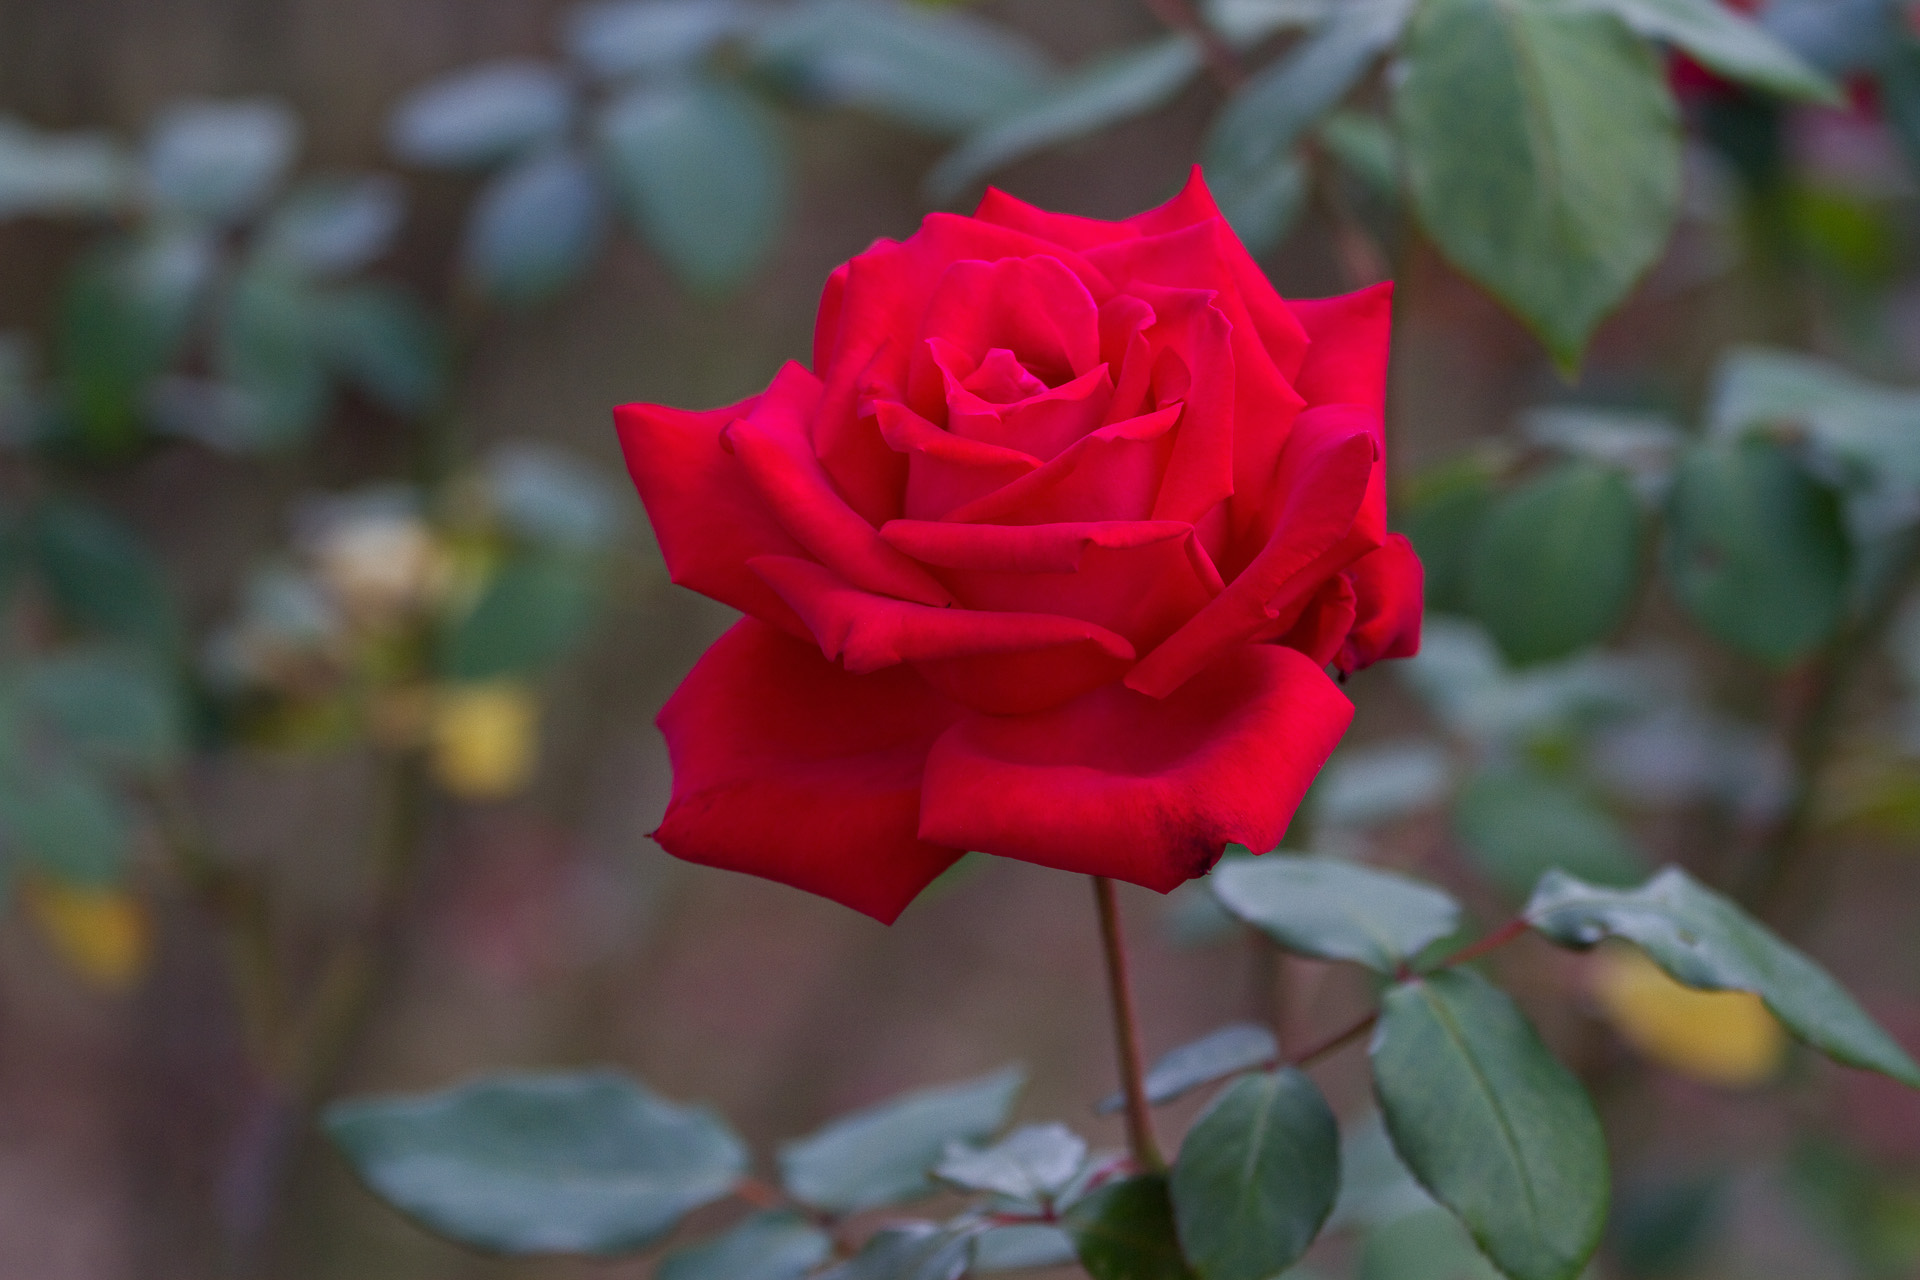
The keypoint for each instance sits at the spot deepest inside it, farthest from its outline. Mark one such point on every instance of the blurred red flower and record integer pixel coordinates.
(1046, 556)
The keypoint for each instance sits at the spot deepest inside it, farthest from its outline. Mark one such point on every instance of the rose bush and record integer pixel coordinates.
(1047, 556)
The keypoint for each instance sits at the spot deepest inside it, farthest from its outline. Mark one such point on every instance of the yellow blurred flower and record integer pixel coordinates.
(381, 567)
(1721, 1037)
(104, 934)
(483, 737)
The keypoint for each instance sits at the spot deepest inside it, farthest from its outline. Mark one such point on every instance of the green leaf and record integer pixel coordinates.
(1256, 1177)
(1497, 1130)
(1021, 1247)
(582, 1162)
(1518, 825)
(483, 115)
(1125, 1231)
(114, 707)
(1364, 144)
(102, 577)
(909, 1251)
(63, 817)
(1376, 1187)
(1237, 1047)
(382, 340)
(1446, 508)
(1422, 1246)
(60, 173)
(1755, 550)
(1104, 92)
(1543, 153)
(124, 316)
(1557, 561)
(219, 161)
(768, 1246)
(1276, 107)
(548, 495)
(1703, 940)
(534, 228)
(532, 614)
(267, 349)
(1381, 782)
(1336, 909)
(1031, 1163)
(334, 226)
(882, 1155)
(615, 39)
(702, 173)
(1724, 40)
(945, 73)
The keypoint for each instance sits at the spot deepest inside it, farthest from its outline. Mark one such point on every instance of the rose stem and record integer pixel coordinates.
(1126, 1032)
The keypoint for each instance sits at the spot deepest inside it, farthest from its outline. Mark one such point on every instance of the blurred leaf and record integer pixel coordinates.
(1256, 1177)
(1643, 445)
(1125, 1231)
(1755, 550)
(1247, 22)
(1721, 39)
(1262, 202)
(124, 315)
(1873, 1214)
(534, 228)
(1496, 1129)
(1423, 1246)
(1033, 1162)
(382, 340)
(1376, 1188)
(266, 348)
(1459, 674)
(945, 73)
(881, 1155)
(1364, 144)
(112, 706)
(483, 115)
(584, 1162)
(1234, 1048)
(1442, 516)
(102, 577)
(1661, 1229)
(104, 934)
(908, 1251)
(1722, 1037)
(1334, 909)
(1543, 154)
(219, 161)
(531, 615)
(1087, 99)
(60, 173)
(1518, 825)
(62, 817)
(702, 173)
(1276, 107)
(768, 1246)
(614, 39)
(1556, 564)
(1021, 1247)
(335, 226)
(1703, 940)
(548, 495)
(1381, 782)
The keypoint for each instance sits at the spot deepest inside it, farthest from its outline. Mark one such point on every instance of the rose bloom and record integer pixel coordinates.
(1048, 555)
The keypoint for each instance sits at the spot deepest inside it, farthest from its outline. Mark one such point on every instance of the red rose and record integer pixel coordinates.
(1045, 557)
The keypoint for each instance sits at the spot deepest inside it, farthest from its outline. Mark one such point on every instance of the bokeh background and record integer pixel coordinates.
(540, 926)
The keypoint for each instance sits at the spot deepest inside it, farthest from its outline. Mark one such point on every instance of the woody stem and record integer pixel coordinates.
(1126, 1032)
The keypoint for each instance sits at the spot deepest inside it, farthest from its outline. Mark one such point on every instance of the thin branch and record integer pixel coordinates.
(1500, 937)
(1336, 1042)
(1140, 1140)
(1222, 61)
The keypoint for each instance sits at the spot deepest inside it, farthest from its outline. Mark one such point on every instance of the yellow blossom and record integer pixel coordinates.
(104, 934)
(483, 738)
(1721, 1037)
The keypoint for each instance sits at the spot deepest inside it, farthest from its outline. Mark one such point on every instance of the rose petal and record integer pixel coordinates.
(1323, 479)
(1351, 334)
(1323, 625)
(1112, 474)
(1141, 579)
(1388, 585)
(1069, 230)
(868, 632)
(771, 444)
(944, 470)
(787, 767)
(1042, 424)
(707, 516)
(1035, 307)
(1141, 789)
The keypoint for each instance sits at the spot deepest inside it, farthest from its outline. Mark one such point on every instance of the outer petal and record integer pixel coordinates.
(1141, 789)
(1323, 480)
(1069, 230)
(1351, 333)
(1387, 587)
(785, 766)
(706, 514)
